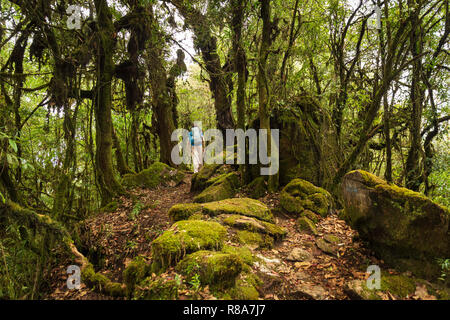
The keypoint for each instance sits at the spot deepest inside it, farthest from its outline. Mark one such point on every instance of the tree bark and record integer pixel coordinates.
(109, 187)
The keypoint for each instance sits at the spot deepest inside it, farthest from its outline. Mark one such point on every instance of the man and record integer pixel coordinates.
(196, 138)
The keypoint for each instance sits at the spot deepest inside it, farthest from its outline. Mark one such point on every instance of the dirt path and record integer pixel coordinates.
(111, 239)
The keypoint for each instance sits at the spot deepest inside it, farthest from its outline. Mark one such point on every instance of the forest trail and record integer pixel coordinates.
(114, 238)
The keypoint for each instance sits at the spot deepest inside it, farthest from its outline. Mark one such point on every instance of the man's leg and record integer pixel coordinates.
(195, 158)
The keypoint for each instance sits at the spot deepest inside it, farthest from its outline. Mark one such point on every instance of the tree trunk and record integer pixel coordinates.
(263, 85)
(109, 187)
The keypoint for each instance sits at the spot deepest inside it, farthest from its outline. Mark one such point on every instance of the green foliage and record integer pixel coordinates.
(440, 177)
(445, 267)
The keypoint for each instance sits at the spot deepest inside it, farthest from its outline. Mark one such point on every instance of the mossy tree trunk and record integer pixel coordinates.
(413, 170)
(162, 101)
(109, 187)
(263, 84)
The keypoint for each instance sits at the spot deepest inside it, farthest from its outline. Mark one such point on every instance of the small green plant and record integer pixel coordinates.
(195, 282)
(445, 267)
(135, 212)
(178, 280)
(192, 268)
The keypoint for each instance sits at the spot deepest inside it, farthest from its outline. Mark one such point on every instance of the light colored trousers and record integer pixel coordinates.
(197, 157)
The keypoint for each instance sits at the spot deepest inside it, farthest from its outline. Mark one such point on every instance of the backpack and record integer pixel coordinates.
(195, 136)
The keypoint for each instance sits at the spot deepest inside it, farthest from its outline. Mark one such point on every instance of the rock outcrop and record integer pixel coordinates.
(300, 195)
(157, 174)
(404, 228)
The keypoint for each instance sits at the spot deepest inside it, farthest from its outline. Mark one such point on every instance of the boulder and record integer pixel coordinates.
(403, 227)
(235, 206)
(327, 247)
(157, 174)
(300, 255)
(220, 188)
(216, 269)
(200, 179)
(183, 211)
(185, 237)
(306, 225)
(255, 239)
(241, 206)
(254, 225)
(299, 195)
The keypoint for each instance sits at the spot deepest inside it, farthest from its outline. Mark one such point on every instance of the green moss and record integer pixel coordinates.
(221, 187)
(101, 283)
(254, 238)
(245, 288)
(158, 289)
(110, 207)
(243, 252)
(183, 211)
(299, 195)
(370, 179)
(135, 272)
(198, 216)
(399, 285)
(332, 239)
(257, 188)
(199, 179)
(310, 215)
(302, 187)
(158, 173)
(252, 224)
(185, 237)
(217, 269)
(275, 231)
(306, 225)
(240, 206)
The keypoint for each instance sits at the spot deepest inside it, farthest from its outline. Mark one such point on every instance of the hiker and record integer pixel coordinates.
(197, 143)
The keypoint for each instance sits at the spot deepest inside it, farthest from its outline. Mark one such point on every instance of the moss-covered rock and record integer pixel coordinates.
(310, 215)
(254, 239)
(221, 187)
(157, 174)
(240, 206)
(236, 206)
(332, 239)
(252, 224)
(185, 237)
(398, 285)
(199, 179)
(243, 252)
(306, 225)
(101, 283)
(157, 289)
(299, 195)
(184, 211)
(257, 188)
(216, 269)
(135, 272)
(403, 227)
(327, 247)
(246, 288)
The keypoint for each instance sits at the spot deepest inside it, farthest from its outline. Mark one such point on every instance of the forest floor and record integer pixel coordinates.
(117, 237)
